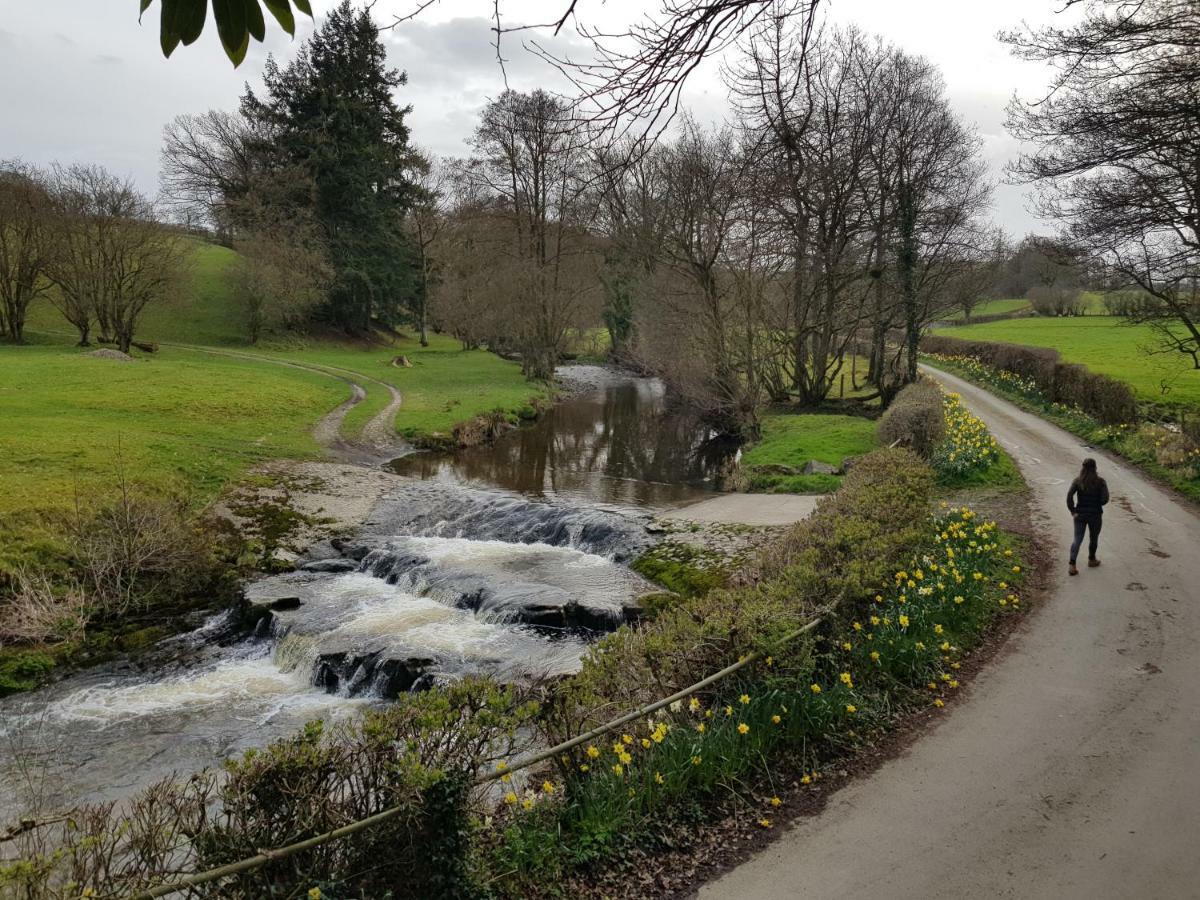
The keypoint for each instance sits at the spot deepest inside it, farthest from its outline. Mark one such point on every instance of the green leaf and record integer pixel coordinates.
(231, 26)
(240, 53)
(304, 7)
(282, 11)
(145, 6)
(168, 33)
(254, 20)
(191, 20)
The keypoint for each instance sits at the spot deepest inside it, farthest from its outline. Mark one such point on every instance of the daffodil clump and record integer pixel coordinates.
(968, 446)
(900, 643)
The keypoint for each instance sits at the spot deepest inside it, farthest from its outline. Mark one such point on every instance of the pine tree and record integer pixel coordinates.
(332, 112)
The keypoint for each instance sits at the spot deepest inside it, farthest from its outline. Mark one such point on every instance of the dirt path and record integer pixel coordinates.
(1073, 768)
(378, 439)
(747, 509)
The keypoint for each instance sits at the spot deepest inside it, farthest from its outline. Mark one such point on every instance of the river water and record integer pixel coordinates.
(503, 560)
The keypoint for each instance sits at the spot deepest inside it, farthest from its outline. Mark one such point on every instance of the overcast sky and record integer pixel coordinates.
(85, 82)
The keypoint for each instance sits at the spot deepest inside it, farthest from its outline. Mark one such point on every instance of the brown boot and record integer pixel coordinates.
(1072, 570)
(1093, 562)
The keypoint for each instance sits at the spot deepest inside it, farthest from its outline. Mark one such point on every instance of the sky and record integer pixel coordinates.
(84, 81)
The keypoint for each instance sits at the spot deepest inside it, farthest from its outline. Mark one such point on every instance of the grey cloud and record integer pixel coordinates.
(107, 59)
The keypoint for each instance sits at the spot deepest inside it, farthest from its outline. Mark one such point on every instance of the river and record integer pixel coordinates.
(505, 560)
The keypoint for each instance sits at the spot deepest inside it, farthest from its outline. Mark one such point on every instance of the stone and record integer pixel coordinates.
(355, 673)
(816, 467)
(281, 604)
(779, 469)
(337, 564)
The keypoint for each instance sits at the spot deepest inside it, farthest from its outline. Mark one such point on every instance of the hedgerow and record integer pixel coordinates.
(1109, 401)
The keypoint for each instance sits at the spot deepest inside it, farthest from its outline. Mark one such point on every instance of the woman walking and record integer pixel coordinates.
(1086, 500)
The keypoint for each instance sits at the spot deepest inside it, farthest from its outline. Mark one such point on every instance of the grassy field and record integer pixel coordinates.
(190, 421)
(445, 386)
(175, 420)
(793, 439)
(1104, 344)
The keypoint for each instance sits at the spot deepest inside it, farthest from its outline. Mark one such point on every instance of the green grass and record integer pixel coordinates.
(178, 421)
(793, 439)
(1104, 344)
(445, 386)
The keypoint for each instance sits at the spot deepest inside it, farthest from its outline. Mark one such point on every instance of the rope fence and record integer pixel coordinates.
(266, 856)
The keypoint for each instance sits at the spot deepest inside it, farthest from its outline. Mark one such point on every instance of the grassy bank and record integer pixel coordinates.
(1104, 344)
(789, 441)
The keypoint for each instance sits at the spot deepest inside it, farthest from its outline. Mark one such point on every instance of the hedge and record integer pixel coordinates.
(915, 419)
(1109, 401)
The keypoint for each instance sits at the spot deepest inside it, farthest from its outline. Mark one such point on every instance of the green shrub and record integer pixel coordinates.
(418, 756)
(23, 670)
(1109, 401)
(915, 419)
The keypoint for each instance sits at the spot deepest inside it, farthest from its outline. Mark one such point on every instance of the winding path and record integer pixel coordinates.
(378, 438)
(1073, 768)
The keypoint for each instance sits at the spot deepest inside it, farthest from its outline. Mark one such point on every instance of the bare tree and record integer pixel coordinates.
(630, 187)
(1118, 150)
(115, 257)
(27, 244)
(424, 223)
(694, 334)
(530, 156)
(208, 165)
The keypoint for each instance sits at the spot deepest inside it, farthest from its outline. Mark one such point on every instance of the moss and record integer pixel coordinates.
(23, 670)
(683, 569)
(141, 638)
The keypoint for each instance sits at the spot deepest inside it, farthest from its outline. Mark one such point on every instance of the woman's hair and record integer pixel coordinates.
(1088, 480)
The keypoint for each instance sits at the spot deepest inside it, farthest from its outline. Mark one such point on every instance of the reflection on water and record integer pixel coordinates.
(622, 443)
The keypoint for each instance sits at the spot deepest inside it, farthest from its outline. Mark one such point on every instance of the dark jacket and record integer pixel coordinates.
(1087, 503)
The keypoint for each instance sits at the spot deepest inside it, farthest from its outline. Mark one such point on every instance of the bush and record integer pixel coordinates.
(915, 419)
(137, 549)
(1055, 300)
(841, 553)
(38, 611)
(1109, 401)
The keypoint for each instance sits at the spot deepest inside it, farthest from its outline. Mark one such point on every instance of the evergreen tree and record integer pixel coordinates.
(332, 112)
